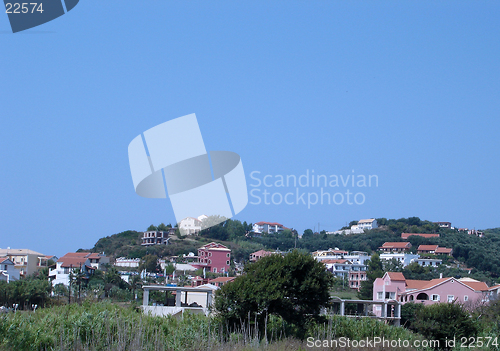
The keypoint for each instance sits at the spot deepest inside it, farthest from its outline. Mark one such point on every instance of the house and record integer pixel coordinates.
(427, 249)
(259, 254)
(395, 246)
(493, 292)
(443, 251)
(154, 237)
(220, 281)
(434, 249)
(405, 236)
(367, 224)
(394, 286)
(429, 262)
(25, 261)
(8, 272)
(127, 262)
(72, 261)
(404, 258)
(191, 225)
(446, 225)
(356, 276)
(329, 254)
(268, 227)
(215, 257)
(97, 260)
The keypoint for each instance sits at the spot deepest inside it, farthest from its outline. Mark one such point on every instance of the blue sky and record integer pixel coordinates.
(404, 90)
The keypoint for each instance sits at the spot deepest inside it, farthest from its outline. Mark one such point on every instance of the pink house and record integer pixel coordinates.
(214, 257)
(394, 286)
(259, 254)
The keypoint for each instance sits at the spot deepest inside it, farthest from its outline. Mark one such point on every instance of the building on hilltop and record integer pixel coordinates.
(445, 225)
(268, 227)
(154, 237)
(434, 249)
(191, 225)
(395, 246)
(367, 224)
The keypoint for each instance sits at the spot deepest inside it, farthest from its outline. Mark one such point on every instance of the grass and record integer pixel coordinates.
(110, 327)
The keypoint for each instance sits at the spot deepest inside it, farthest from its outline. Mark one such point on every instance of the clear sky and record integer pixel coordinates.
(407, 91)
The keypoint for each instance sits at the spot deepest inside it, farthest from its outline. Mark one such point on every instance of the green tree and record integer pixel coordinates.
(294, 286)
(164, 228)
(152, 228)
(375, 270)
(149, 263)
(444, 321)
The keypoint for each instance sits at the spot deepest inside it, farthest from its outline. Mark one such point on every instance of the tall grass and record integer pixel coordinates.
(107, 326)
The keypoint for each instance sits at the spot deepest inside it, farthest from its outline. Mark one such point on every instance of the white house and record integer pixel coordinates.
(191, 225)
(367, 224)
(268, 227)
(8, 272)
(403, 258)
(86, 262)
(127, 262)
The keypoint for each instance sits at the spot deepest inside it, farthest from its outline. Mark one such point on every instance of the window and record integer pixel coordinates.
(227, 255)
(227, 262)
(466, 298)
(209, 254)
(450, 298)
(435, 297)
(379, 295)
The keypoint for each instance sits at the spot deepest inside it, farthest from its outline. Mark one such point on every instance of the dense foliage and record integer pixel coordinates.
(294, 287)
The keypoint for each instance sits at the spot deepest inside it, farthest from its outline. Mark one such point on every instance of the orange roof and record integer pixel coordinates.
(427, 248)
(443, 250)
(415, 284)
(406, 235)
(494, 287)
(396, 245)
(424, 284)
(77, 254)
(3, 259)
(396, 276)
(270, 223)
(476, 286)
(74, 262)
(334, 261)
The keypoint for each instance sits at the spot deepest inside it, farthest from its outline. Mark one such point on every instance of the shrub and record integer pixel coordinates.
(445, 321)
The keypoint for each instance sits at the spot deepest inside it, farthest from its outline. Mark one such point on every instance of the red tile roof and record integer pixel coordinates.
(443, 250)
(427, 248)
(74, 262)
(270, 223)
(396, 276)
(407, 235)
(396, 245)
(334, 261)
(476, 286)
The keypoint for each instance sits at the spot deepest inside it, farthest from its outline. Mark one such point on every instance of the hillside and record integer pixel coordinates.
(470, 250)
